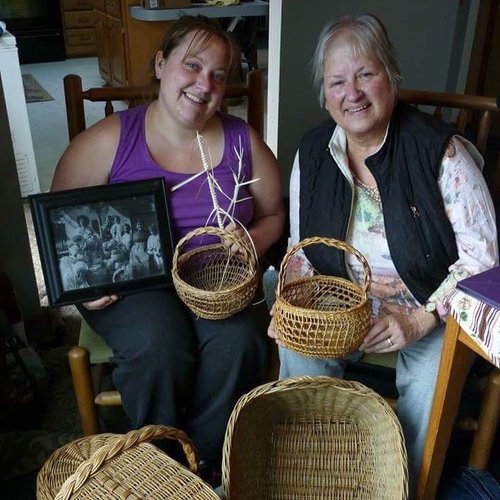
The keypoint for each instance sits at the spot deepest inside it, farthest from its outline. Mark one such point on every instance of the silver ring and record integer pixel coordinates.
(389, 341)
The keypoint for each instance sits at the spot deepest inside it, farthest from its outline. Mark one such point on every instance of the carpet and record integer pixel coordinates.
(33, 91)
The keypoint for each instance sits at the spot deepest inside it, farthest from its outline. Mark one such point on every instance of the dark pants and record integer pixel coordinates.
(175, 369)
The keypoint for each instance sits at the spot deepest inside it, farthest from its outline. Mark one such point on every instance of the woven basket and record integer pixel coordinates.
(322, 316)
(117, 466)
(212, 281)
(312, 438)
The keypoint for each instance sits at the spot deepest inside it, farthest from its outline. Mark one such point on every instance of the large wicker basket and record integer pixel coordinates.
(322, 316)
(117, 466)
(312, 438)
(211, 280)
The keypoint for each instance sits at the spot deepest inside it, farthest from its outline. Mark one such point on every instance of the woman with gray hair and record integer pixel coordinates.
(405, 190)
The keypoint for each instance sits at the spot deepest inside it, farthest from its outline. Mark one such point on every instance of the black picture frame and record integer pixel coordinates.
(103, 240)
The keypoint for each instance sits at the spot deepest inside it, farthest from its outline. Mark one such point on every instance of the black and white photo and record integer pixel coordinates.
(101, 240)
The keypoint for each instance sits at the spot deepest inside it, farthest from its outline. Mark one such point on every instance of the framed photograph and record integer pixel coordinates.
(102, 240)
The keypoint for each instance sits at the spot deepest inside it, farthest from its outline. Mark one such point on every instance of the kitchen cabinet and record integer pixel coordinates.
(125, 46)
(79, 27)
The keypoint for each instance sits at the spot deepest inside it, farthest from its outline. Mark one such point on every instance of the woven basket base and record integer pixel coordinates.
(315, 443)
(322, 316)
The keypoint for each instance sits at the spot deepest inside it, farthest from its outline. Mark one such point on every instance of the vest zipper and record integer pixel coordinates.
(416, 217)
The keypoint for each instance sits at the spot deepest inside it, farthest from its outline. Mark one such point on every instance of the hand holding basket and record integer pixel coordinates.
(322, 316)
(212, 281)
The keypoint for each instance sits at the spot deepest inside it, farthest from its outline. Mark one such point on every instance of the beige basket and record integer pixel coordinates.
(313, 438)
(212, 281)
(117, 466)
(322, 316)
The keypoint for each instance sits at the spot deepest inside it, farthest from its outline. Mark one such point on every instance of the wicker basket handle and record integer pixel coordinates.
(223, 234)
(331, 242)
(120, 443)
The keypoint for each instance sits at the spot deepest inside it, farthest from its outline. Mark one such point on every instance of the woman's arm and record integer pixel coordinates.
(88, 158)
(267, 194)
(87, 162)
(469, 207)
(299, 265)
(470, 210)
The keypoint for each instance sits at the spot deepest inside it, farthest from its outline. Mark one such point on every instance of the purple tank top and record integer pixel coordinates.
(190, 206)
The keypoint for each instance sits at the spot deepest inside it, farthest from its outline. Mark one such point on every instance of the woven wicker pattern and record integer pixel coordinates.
(322, 316)
(212, 281)
(312, 438)
(115, 466)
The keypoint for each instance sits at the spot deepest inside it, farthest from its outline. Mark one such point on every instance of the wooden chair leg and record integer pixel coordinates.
(453, 368)
(487, 423)
(84, 390)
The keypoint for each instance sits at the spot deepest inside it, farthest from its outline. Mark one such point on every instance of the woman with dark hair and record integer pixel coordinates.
(405, 190)
(170, 366)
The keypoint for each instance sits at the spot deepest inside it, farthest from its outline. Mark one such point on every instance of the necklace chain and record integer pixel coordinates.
(371, 191)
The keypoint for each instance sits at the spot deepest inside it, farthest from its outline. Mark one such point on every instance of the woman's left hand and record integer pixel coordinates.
(397, 331)
(238, 231)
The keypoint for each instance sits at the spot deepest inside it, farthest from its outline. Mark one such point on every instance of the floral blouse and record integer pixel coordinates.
(467, 204)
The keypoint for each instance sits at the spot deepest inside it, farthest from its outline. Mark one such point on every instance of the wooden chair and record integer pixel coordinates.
(86, 359)
(470, 108)
(482, 110)
(75, 97)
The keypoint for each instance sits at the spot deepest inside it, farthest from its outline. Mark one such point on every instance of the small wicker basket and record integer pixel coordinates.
(117, 466)
(322, 316)
(312, 438)
(212, 281)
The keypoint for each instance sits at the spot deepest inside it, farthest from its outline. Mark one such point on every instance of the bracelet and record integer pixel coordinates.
(419, 322)
(436, 316)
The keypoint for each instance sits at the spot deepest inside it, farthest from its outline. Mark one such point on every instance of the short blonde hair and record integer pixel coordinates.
(367, 35)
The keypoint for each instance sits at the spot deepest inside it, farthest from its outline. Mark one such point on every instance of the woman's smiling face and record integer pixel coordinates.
(358, 93)
(193, 82)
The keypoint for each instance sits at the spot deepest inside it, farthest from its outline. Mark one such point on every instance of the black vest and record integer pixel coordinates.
(420, 236)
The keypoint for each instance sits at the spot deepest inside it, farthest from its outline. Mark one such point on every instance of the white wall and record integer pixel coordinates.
(432, 39)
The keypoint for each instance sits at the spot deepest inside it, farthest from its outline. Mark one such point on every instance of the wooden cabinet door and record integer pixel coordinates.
(117, 53)
(103, 47)
(100, 5)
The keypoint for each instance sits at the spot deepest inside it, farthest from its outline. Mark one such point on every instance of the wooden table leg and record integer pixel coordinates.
(487, 423)
(454, 366)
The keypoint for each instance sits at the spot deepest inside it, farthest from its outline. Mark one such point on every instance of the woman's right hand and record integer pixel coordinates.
(271, 332)
(102, 303)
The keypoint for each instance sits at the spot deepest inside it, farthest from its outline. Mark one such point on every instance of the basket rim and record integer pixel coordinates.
(112, 446)
(303, 382)
(222, 293)
(245, 249)
(307, 311)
